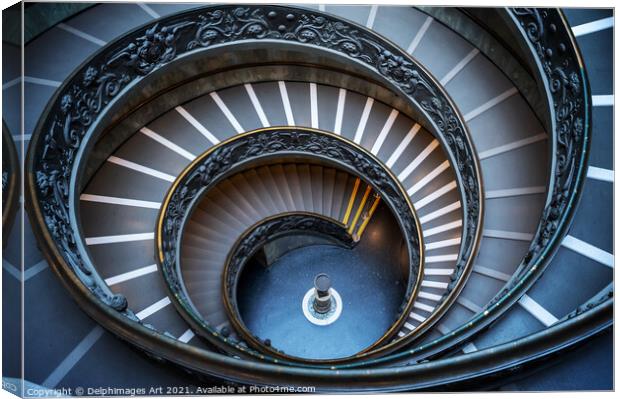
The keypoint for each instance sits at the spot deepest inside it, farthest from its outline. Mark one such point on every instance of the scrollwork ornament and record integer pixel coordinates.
(566, 88)
(88, 93)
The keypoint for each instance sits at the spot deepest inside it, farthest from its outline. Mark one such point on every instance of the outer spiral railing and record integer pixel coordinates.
(70, 125)
(552, 49)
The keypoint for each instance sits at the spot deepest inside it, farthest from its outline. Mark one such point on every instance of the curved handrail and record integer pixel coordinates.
(255, 238)
(568, 94)
(63, 135)
(71, 114)
(227, 157)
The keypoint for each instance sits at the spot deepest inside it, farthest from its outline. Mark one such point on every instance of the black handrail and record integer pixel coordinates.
(255, 238)
(553, 49)
(227, 158)
(68, 129)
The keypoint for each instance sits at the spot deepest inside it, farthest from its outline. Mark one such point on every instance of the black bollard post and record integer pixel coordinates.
(322, 298)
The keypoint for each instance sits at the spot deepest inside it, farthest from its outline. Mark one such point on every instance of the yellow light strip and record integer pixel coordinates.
(360, 208)
(345, 219)
(360, 231)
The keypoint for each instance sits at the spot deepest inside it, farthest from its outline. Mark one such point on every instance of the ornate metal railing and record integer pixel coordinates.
(65, 132)
(70, 125)
(255, 238)
(10, 182)
(229, 157)
(552, 47)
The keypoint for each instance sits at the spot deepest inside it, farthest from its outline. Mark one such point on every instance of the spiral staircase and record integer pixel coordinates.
(188, 170)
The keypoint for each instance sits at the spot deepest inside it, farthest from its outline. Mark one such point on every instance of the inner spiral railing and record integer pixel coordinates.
(278, 142)
(255, 238)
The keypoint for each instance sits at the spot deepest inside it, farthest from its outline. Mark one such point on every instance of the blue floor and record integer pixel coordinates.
(270, 299)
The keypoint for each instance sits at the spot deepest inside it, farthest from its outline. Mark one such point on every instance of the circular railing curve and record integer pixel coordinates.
(229, 156)
(554, 51)
(255, 238)
(63, 133)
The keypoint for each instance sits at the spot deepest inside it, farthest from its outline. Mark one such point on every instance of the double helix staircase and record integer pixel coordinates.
(147, 162)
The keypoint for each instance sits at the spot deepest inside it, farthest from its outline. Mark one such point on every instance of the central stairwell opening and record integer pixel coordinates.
(370, 278)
